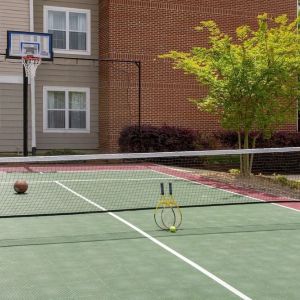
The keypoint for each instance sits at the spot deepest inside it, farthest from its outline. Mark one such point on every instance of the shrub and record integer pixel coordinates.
(286, 182)
(234, 171)
(208, 141)
(157, 139)
(171, 138)
(228, 139)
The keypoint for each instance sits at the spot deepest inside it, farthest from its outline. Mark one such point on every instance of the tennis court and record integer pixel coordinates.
(219, 252)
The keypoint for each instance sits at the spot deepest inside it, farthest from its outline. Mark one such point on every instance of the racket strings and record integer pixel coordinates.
(167, 212)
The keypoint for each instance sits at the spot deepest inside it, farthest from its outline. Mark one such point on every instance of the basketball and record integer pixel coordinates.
(20, 186)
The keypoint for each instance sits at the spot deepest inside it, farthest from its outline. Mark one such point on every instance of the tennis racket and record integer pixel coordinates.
(167, 212)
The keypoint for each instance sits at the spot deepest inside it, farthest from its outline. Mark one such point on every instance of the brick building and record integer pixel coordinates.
(119, 30)
(143, 29)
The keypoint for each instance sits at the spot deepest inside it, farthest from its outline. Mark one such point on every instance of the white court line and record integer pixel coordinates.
(162, 245)
(227, 191)
(89, 180)
(100, 171)
(78, 171)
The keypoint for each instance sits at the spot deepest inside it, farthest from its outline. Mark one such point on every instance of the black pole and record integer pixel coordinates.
(25, 113)
(140, 94)
(138, 63)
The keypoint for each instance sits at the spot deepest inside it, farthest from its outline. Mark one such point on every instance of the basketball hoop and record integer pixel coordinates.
(31, 64)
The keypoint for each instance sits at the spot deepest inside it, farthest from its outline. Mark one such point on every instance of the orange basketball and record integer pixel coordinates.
(20, 186)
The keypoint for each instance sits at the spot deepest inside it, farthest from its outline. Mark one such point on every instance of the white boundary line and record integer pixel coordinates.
(227, 191)
(163, 246)
(99, 171)
(75, 171)
(89, 180)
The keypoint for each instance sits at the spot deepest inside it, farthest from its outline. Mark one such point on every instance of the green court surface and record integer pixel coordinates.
(226, 252)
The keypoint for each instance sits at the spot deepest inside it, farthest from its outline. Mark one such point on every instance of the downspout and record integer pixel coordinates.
(32, 87)
(31, 21)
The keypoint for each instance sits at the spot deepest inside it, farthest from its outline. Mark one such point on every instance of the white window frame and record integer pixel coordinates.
(47, 89)
(68, 10)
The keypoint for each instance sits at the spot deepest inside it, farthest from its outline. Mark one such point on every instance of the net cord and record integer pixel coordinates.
(91, 157)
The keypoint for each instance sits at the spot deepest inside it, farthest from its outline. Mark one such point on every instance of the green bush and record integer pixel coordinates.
(286, 182)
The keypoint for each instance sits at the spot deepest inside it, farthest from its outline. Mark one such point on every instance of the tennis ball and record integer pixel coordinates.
(172, 228)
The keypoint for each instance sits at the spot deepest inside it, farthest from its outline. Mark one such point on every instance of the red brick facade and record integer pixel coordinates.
(143, 29)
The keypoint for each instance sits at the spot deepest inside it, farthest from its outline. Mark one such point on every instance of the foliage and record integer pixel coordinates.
(251, 78)
(286, 182)
(156, 139)
(229, 139)
(234, 171)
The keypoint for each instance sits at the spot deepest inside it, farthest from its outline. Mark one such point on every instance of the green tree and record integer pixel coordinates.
(251, 77)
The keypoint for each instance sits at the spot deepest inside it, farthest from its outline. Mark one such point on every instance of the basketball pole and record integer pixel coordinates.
(33, 118)
(32, 88)
(25, 113)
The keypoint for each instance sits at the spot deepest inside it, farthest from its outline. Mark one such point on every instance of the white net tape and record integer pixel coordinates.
(31, 64)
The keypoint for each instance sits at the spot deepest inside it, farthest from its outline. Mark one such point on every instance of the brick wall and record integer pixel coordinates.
(143, 29)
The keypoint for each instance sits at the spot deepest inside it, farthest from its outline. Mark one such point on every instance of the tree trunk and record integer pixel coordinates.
(252, 155)
(240, 147)
(245, 161)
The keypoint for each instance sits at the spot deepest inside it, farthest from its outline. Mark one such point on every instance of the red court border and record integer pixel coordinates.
(52, 168)
(265, 197)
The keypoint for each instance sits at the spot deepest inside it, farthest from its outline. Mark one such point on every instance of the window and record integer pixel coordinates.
(70, 29)
(66, 109)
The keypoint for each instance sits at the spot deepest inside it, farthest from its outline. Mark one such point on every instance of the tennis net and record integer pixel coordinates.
(84, 184)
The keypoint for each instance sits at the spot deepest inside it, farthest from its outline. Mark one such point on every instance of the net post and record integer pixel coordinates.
(25, 113)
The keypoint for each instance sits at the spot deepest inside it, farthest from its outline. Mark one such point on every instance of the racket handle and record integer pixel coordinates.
(170, 188)
(162, 189)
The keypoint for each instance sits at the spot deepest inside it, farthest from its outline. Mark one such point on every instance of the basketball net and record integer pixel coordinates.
(31, 64)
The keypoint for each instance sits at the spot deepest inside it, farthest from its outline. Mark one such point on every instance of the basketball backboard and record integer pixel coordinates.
(20, 44)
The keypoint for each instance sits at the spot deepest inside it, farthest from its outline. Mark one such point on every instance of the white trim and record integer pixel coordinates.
(13, 79)
(162, 245)
(31, 16)
(67, 10)
(87, 91)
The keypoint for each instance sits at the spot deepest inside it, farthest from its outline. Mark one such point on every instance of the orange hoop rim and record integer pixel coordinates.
(31, 58)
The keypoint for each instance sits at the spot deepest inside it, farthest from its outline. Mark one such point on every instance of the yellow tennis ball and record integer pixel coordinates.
(172, 228)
